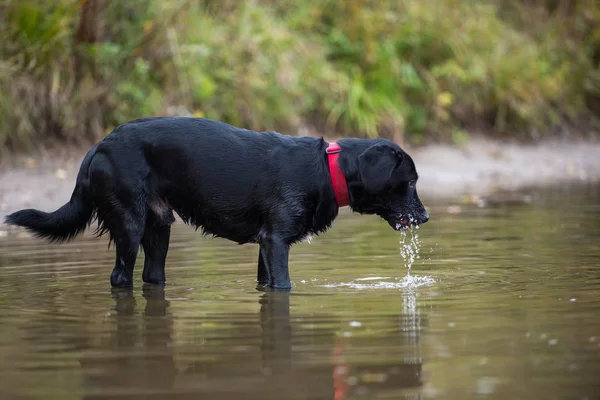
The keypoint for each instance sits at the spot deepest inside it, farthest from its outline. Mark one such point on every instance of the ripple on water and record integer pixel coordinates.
(407, 282)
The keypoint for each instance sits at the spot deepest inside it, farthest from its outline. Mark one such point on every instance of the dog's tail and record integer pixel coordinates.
(69, 220)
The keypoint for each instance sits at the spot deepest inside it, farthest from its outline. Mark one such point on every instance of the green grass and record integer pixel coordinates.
(414, 69)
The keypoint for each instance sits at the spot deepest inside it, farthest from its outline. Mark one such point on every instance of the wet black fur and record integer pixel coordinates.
(245, 186)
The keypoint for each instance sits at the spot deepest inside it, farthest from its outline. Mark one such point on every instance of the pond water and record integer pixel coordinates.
(503, 302)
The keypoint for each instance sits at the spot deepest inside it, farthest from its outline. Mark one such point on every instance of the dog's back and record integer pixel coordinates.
(221, 178)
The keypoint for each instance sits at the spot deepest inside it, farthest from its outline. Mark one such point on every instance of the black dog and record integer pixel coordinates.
(245, 186)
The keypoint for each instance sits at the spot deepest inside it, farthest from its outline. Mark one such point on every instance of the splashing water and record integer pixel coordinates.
(409, 251)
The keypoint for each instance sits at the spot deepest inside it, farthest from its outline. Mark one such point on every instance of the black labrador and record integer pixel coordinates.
(245, 186)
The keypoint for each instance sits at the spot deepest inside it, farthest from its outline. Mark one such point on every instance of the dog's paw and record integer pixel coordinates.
(119, 278)
(156, 280)
(284, 286)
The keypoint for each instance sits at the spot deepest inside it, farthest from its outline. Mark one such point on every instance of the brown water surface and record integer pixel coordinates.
(514, 312)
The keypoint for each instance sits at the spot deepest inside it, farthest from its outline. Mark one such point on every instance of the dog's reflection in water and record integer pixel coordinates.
(136, 360)
(238, 357)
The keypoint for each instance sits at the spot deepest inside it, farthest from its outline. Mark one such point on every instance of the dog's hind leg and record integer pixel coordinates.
(121, 208)
(156, 244)
(126, 230)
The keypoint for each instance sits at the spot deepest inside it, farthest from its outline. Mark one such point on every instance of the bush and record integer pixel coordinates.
(72, 71)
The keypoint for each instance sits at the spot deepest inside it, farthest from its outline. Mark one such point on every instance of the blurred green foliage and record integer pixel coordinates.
(73, 70)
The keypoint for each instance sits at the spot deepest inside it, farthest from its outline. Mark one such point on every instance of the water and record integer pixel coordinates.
(506, 304)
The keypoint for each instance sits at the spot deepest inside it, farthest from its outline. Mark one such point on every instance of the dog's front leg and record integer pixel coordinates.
(262, 275)
(275, 254)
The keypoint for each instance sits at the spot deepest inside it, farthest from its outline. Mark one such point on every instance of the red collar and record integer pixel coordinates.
(338, 180)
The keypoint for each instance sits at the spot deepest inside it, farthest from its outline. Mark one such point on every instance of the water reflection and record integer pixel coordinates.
(391, 375)
(138, 354)
(284, 355)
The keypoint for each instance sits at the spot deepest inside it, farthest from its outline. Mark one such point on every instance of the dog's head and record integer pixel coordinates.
(388, 179)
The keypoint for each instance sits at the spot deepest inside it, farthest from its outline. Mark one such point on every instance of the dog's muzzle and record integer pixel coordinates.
(407, 221)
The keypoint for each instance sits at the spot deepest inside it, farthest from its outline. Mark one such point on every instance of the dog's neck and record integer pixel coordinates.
(338, 180)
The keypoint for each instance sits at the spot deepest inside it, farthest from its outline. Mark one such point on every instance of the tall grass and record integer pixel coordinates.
(72, 70)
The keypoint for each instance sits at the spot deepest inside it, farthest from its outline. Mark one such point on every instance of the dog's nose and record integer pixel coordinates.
(425, 217)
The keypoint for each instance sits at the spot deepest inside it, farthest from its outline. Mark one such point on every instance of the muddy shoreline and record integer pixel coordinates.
(479, 168)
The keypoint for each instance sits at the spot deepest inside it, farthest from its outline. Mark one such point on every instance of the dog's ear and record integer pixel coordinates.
(376, 165)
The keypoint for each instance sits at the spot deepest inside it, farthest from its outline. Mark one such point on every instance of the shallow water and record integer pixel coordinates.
(511, 310)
